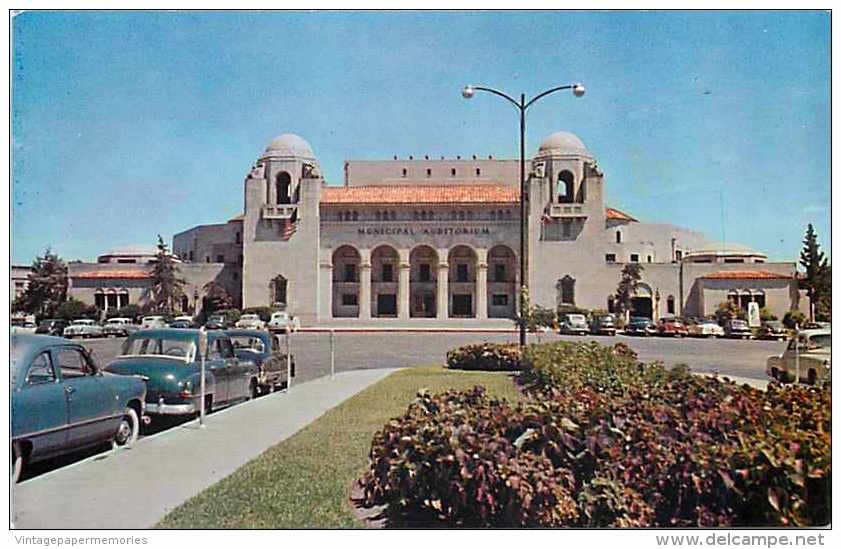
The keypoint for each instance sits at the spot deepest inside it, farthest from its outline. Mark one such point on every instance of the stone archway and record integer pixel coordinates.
(346, 261)
(423, 282)
(462, 282)
(502, 275)
(642, 303)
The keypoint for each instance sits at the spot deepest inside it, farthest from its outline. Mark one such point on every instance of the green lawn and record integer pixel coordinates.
(304, 481)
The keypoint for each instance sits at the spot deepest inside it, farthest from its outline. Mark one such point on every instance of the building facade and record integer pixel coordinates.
(425, 241)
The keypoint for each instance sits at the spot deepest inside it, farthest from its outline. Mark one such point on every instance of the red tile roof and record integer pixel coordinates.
(93, 275)
(457, 193)
(746, 275)
(613, 213)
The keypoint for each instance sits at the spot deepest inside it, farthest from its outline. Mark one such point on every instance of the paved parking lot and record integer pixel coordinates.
(378, 350)
(399, 350)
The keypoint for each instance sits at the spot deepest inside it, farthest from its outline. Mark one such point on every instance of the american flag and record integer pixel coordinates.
(288, 229)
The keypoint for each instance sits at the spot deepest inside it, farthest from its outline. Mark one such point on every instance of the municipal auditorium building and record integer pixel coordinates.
(420, 240)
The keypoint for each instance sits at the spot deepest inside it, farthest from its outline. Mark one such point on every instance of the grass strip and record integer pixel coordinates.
(304, 481)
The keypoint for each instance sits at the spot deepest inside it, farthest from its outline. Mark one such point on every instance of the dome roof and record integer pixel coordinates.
(725, 248)
(563, 143)
(289, 144)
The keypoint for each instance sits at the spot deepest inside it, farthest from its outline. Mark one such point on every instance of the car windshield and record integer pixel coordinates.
(823, 341)
(248, 343)
(82, 322)
(739, 324)
(159, 346)
(774, 325)
(606, 318)
(576, 318)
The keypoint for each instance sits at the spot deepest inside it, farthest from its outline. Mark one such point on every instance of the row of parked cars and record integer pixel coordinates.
(123, 327)
(605, 324)
(63, 400)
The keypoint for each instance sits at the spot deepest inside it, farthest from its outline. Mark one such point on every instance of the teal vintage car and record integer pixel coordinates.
(61, 401)
(170, 362)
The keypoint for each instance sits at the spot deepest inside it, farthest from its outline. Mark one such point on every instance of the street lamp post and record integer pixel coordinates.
(468, 92)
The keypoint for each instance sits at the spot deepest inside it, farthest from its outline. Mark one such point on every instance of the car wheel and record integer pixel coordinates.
(128, 430)
(254, 390)
(16, 463)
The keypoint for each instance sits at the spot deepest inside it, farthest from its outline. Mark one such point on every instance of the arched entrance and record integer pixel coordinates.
(501, 282)
(462, 282)
(423, 282)
(277, 290)
(346, 261)
(384, 271)
(641, 302)
(282, 183)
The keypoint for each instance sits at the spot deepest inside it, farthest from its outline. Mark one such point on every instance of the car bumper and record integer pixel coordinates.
(162, 409)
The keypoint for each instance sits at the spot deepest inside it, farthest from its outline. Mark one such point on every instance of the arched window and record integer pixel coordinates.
(278, 289)
(566, 290)
(670, 304)
(565, 191)
(282, 183)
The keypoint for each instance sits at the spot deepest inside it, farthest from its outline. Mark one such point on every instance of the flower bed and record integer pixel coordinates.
(605, 441)
(494, 357)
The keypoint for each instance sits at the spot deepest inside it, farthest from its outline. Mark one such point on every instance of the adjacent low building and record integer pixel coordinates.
(426, 242)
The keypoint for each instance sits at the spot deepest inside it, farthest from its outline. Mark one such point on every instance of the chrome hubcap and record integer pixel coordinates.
(124, 432)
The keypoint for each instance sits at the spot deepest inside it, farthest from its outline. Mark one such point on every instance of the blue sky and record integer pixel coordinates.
(131, 124)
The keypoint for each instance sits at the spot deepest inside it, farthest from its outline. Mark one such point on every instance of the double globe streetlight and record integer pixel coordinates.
(468, 92)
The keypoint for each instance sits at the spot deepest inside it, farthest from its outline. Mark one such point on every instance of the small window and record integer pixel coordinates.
(499, 300)
(635, 258)
(207, 259)
(567, 284)
(499, 272)
(461, 272)
(610, 258)
(350, 272)
(349, 300)
(428, 172)
(734, 260)
(220, 259)
(678, 255)
(388, 272)
(618, 237)
(478, 172)
(405, 171)
(648, 259)
(425, 273)
(453, 172)
(41, 370)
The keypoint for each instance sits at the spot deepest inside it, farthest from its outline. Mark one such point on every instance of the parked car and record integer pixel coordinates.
(814, 348)
(119, 327)
(574, 323)
(705, 328)
(150, 322)
(181, 324)
(83, 328)
(62, 401)
(52, 326)
(737, 329)
(23, 327)
(250, 322)
(603, 324)
(281, 320)
(639, 325)
(672, 327)
(216, 322)
(266, 351)
(170, 362)
(773, 329)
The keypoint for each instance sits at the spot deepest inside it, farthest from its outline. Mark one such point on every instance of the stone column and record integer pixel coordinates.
(443, 291)
(403, 285)
(365, 284)
(482, 290)
(325, 309)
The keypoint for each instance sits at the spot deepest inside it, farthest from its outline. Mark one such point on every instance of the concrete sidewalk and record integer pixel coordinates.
(136, 487)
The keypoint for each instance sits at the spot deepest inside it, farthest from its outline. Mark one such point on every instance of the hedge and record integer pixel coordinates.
(495, 357)
(604, 441)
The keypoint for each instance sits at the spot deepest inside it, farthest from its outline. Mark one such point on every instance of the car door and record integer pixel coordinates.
(40, 407)
(217, 366)
(90, 403)
(238, 380)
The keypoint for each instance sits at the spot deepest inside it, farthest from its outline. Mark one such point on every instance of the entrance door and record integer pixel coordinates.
(641, 306)
(387, 305)
(429, 305)
(462, 305)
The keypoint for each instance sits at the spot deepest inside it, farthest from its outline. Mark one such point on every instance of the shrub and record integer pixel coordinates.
(793, 317)
(766, 314)
(73, 309)
(497, 357)
(541, 317)
(602, 441)
(131, 311)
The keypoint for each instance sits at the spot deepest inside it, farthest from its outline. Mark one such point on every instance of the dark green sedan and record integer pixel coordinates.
(62, 401)
(170, 362)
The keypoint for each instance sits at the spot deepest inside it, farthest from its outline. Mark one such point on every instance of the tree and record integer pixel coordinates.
(167, 288)
(216, 298)
(628, 282)
(816, 282)
(47, 287)
(73, 309)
